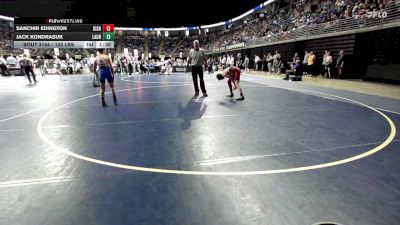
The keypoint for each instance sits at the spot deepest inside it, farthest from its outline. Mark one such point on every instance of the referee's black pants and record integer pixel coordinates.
(4, 70)
(198, 70)
(29, 70)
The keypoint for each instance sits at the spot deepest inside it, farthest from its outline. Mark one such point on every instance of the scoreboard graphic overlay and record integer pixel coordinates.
(62, 33)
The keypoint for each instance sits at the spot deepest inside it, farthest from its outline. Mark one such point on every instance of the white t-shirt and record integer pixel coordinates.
(328, 59)
(63, 65)
(232, 61)
(3, 61)
(11, 60)
(324, 59)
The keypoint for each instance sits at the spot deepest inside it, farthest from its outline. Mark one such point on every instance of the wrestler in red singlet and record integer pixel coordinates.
(233, 75)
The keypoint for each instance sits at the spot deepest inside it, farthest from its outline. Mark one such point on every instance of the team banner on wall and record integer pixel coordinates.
(229, 47)
(181, 69)
(218, 49)
(238, 45)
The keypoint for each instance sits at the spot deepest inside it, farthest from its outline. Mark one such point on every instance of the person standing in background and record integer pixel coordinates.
(324, 63)
(256, 59)
(340, 64)
(46, 64)
(295, 58)
(277, 62)
(305, 62)
(197, 58)
(57, 66)
(223, 62)
(129, 61)
(12, 61)
(209, 65)
(40, 63)
(269, 63)
(228, 61)
(92, 59)
(232, 61)
(239, 60)
(328, 64)
(264, 63)
(310, 63)
(3, 67)
(246, 64)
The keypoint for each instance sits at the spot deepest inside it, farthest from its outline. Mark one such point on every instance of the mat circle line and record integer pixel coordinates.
(220, 173)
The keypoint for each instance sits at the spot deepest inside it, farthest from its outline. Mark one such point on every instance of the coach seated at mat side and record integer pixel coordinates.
(295, 73)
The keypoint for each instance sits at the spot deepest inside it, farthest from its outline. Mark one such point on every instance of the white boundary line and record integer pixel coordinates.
(23, 114)
(213, 173)
(252, 157)
(386, 110)
(16, 183)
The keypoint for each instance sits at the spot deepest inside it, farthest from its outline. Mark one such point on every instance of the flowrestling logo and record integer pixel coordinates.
(377, 14)
(56, 21)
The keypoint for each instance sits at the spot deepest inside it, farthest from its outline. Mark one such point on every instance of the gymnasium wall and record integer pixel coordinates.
(371, 56)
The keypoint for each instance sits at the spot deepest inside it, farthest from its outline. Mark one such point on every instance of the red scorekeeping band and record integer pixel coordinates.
(108, 27)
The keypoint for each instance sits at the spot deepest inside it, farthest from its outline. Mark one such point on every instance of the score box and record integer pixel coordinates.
(108, 36)
(108, 27)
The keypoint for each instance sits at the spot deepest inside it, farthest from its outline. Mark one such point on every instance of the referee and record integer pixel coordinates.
(197, 58)
(27, 68)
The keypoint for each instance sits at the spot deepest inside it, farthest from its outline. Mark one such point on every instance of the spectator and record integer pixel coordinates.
(3, 67)
(256, 60)
(270, 59)
(296, 71)
(239, 60)
(40, 64)
(328, 64)
(277, 62)
(231, 61)
(340, 64)
(209, 65)
(246, 64)
(264, 63)
(223, 61)
(325, 70)
(305, 62)
(12, 61)
(295, 58)
(310, 64)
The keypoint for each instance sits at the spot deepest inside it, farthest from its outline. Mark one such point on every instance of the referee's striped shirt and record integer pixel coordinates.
(198, 57)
